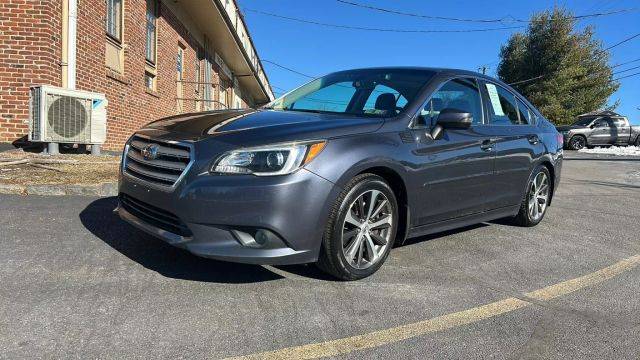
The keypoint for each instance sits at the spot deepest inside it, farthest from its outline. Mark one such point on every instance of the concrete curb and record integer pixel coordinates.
(101, 190)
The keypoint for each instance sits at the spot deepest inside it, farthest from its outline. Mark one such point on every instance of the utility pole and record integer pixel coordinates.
(483, 69)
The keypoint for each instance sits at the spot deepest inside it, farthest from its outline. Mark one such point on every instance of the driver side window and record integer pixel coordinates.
(459, 94)
(601, 123)
(372, 106)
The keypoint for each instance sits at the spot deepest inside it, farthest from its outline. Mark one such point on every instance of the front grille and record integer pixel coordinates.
(165, 170)
(152, 215)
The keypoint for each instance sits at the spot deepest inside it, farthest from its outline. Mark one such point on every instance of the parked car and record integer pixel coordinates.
(343, 168)
(600, 131)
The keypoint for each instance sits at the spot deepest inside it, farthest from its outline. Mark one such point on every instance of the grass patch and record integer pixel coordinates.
(86, 169)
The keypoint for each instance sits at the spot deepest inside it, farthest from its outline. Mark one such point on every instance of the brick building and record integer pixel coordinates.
(151, 58)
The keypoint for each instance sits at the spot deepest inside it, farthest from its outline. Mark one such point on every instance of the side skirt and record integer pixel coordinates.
(463, 221)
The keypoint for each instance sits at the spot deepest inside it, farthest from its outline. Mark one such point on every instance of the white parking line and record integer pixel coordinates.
(391, 335)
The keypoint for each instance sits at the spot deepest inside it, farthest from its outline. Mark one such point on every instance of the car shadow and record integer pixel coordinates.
(612, 184)
(601, 159)
(420, 239)
(156, 255)
(313, 272)
(172, 262)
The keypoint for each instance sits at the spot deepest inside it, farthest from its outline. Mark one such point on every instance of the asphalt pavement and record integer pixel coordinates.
(76, 282)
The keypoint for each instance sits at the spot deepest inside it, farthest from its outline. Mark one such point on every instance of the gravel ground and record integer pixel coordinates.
(79, 283)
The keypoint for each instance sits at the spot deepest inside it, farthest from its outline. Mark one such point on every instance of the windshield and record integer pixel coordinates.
(369, 92)
(583, 122)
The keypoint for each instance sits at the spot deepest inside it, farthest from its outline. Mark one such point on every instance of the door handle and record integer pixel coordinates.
(534, 139)
(487, 145)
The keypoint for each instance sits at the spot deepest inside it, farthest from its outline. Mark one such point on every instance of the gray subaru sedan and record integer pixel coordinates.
(342, 169)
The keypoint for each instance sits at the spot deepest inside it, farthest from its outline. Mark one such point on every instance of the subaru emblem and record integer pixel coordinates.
(150, 152)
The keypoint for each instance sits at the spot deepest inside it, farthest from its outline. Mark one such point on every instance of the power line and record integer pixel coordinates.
(625, 63)
(620, 43)
(627, 76)
(278, 88)
(288, 69)
(502, 20)
(349, 27)
(596, 53)
(629, 69)
(526, 80)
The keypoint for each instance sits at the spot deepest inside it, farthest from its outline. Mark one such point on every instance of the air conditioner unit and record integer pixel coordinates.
(59, 115)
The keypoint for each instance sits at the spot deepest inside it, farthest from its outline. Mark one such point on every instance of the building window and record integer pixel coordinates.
(114, 19)
(150, 81)
(222, 100)
(208, 86)
(180, 78)
(152, 20)
(114, 51)
(197, 84)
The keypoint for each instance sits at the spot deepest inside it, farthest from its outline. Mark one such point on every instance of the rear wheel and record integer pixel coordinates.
(361, 229)
(536, 199)
(577, 142)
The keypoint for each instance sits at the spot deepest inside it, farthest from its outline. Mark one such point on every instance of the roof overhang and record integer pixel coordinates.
(216, 24)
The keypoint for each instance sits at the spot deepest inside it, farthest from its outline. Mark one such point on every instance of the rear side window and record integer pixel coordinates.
(459, 94)
(503, 108)
(525, 113)
(620, 122)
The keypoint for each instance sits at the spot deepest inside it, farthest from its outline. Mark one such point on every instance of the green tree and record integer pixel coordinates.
(562, 71)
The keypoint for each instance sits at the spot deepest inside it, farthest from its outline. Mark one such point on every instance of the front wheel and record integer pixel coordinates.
(361, 229)
(536, 199)
(577, 142)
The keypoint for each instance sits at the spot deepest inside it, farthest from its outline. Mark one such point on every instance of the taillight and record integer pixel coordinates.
(560, 139)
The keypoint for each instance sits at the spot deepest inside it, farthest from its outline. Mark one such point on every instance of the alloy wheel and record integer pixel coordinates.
(366, 230)
(538, 196)
(577, 143)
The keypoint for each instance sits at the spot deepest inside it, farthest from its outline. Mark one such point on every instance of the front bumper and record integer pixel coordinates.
(213, 209)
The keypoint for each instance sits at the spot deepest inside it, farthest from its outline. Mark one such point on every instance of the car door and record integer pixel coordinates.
(602, 132)
(623, 130)
(517, 143)
(454, 173)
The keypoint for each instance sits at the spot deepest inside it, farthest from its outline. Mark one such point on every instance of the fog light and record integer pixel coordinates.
(262, 236)
(256, 238)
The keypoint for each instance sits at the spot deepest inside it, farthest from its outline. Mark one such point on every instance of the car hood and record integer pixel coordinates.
(246, 127)
(569, 127)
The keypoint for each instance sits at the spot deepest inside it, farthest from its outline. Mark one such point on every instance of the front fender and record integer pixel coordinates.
(346, 157)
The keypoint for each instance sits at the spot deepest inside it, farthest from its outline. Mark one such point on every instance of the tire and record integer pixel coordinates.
(527, 216)
(577, 142)
(347, 232)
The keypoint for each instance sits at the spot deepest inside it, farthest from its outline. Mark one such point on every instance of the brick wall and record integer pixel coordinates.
(30, 53)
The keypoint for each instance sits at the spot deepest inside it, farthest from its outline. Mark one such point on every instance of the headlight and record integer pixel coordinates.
(278, 159)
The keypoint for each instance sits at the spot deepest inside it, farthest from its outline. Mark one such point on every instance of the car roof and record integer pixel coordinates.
(419, 68)
(438, 70)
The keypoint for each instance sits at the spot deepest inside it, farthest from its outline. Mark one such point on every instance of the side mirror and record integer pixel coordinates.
(454, 119)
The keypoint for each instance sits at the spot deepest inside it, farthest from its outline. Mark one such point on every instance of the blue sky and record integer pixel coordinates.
(317, 50)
